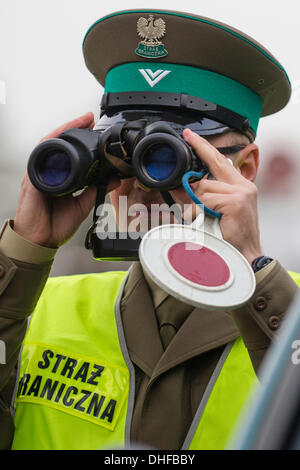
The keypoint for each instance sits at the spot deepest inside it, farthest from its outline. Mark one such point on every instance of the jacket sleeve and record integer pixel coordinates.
(24, 269)
(260, 319)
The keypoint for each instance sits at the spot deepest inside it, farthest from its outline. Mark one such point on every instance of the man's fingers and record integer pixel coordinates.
(218, 165)
(84, 121)
(87, 200)
(216, 202)
(212, 186)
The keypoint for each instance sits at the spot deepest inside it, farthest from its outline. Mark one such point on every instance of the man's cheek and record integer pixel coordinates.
(123, 190)
(126, 186)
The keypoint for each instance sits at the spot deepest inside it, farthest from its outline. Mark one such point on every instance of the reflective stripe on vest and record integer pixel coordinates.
(76, 385)
(223, 400)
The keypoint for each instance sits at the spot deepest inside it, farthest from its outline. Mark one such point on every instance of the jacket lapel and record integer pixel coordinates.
(202, 331)
(139, 322)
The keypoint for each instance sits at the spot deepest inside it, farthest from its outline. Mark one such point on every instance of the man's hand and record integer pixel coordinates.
(51, 221)
(231, 194)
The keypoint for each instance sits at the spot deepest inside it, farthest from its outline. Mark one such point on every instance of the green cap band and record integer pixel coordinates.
(175, 78)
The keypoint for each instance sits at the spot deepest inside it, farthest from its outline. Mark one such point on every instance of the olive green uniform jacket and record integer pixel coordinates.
(173, 364)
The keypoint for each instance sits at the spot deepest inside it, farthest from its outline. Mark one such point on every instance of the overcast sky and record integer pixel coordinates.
(46, 79)
(47, 83)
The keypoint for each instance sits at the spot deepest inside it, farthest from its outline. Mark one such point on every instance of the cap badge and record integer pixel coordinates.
(151, 30)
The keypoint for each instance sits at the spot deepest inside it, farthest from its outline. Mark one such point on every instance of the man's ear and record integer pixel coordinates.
(248, 161)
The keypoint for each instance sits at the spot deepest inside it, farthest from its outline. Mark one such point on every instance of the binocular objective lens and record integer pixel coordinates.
(159, 162)
(55, 167)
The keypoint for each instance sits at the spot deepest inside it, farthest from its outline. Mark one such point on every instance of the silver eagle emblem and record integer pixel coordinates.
(151, 30)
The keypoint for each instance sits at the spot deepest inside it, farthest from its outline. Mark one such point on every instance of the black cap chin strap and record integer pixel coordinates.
(177, 101)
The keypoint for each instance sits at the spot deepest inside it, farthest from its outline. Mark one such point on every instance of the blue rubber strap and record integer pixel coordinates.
(188, 189)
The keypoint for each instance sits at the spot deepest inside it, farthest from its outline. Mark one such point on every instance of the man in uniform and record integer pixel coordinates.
(109, 360)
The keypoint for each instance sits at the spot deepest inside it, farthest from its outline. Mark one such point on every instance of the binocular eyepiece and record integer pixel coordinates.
(66, 164)
(153, 152)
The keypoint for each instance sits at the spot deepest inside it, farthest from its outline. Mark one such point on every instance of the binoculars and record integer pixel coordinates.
(146, 144)
(138, 135)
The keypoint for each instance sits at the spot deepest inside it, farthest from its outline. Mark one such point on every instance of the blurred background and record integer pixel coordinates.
(46, 84)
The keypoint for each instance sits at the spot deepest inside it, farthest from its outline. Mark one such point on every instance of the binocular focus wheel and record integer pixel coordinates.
(197, 267)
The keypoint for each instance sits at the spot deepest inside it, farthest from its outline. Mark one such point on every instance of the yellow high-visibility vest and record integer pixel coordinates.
(76, 382)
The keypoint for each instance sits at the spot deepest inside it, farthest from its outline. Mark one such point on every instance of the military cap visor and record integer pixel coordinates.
(186, 54)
